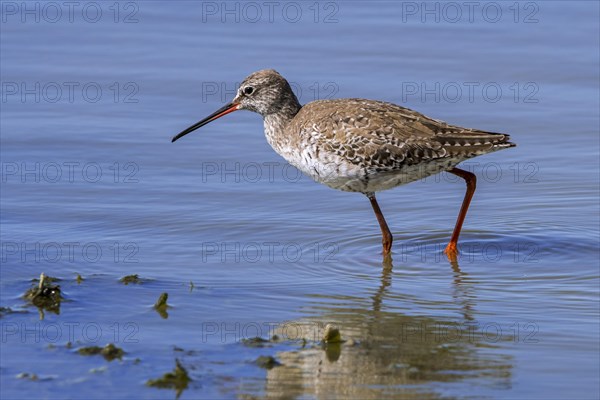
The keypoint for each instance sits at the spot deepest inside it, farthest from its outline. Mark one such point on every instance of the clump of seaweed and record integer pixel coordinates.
(45, 296)
(255, 342)
(332, 341)
(162, 301)
(178, 379)
(133, 279)
(267, 362)
(109, 352)
(161, 305)
(332, 334)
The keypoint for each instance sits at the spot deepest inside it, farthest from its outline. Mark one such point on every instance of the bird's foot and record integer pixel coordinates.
(451, 251)
(387, 248)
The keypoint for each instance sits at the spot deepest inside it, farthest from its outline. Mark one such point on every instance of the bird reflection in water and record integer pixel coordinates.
(391, 350)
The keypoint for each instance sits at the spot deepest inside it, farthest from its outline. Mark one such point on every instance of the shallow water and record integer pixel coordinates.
(245, 246)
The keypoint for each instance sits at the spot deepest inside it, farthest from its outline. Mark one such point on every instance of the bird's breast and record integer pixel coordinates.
(311, 159)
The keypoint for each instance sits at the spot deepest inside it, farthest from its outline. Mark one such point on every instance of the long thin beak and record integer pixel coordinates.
(229, 108)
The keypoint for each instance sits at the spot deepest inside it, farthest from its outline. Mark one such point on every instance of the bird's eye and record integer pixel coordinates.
(248, 89)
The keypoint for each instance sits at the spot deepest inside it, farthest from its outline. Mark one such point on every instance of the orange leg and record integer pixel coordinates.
(387, 238)
(451, 250)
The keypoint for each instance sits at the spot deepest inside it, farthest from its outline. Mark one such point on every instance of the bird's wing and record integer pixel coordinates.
(387, 136)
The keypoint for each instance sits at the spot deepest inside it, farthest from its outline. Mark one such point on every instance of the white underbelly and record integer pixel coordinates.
(337, 173)
(353, 178)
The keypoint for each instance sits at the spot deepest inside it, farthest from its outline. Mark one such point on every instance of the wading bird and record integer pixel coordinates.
(359, 145)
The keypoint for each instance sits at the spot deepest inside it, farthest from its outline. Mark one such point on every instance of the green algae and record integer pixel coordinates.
(161, 305)
(109, 352)
(131, 279)
(178, 379)
(267, 362)
(255, 342)
(45, 296)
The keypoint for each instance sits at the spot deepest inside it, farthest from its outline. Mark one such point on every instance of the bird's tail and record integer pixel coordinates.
(473, 142)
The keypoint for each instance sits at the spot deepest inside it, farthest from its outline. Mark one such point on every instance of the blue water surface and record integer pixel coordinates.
(246, 246)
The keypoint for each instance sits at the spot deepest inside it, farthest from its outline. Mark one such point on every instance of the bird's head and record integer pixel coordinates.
(264, 92)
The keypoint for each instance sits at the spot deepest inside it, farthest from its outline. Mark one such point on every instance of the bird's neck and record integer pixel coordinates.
(275, 125)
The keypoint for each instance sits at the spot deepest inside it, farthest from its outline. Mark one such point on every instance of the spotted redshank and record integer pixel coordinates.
(359, 145)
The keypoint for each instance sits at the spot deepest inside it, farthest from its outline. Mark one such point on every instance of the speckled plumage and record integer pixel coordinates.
(359, 145)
